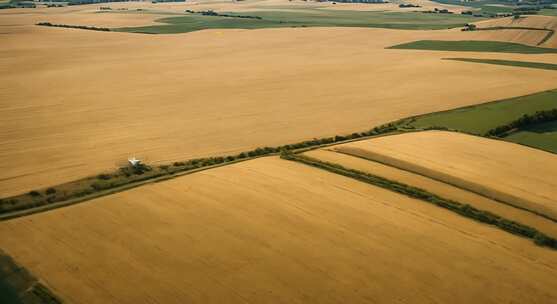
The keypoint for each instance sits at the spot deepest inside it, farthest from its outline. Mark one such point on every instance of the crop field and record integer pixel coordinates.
(359, 162)
(528, 27)
(214, 91)
(306, 18)
(482, 118)
(542, 136)
(272, 229)
(510, 173)
(277, 151)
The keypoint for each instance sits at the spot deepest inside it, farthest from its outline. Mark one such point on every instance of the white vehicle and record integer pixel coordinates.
(134, 161)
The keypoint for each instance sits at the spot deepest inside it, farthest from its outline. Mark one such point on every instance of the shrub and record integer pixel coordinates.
(34, 193)
(50, 191)
(460, 208)
(544, 240)
(104, 176)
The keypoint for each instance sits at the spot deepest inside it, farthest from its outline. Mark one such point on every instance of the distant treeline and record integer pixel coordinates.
(466, 210)
(213, 13)
(360, 1)
(524, 121)
(80, 2)
(83, 27)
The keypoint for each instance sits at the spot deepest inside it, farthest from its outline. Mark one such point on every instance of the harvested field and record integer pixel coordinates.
(272, 230)
(511, 173)
(525, 36)
(444, 190)
(174, 97)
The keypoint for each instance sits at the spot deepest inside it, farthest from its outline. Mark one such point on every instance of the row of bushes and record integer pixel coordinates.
(418, 193)
(213, 13)
(407, 5)
(83, 27)
(133, 174)
(524, 121)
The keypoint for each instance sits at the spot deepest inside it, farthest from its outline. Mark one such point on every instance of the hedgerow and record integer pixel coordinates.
(463, 209)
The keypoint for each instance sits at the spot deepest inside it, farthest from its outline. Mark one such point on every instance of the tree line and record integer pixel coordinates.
(83, 27)
(465, 210)
(524, 121)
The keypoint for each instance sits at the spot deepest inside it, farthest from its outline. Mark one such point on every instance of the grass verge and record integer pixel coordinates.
(474, 120)
(466, 210)
(18, 286)
(523, 64)
(129, 177)
(473, 46)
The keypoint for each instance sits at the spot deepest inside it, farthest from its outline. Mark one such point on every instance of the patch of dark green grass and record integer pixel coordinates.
(18, 286)
(304, 18)
(482, 6)
(523, 64)
(473, 46)
(479, 119)
(542, 136)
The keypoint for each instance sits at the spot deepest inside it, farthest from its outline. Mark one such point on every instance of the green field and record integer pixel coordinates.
(482, 6)
(473, 46)
(542, 136)
(523, 64)
(548, 12)
(488, 7)
(481, 118)
(305, 18)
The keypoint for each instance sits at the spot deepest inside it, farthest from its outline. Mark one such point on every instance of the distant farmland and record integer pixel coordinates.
(304, 18)
(130, 102)
(284, 151)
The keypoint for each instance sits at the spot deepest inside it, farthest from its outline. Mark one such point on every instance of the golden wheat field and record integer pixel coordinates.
(76, 102)
(526, 36)
(274, 231)
(514, 174)
(440, 188)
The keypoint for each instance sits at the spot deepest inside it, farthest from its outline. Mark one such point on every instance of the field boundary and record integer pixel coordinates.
(486, 46)
(512, 63)
(465, 210)
(91, 191)
(19, 286)
(93, 187)
(446, 181)
(496, 28)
